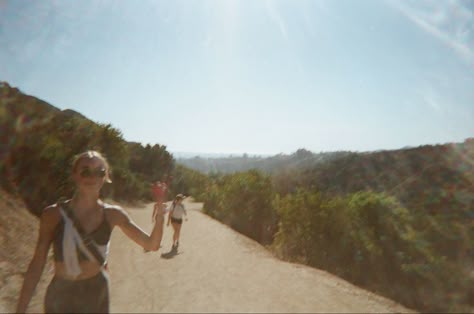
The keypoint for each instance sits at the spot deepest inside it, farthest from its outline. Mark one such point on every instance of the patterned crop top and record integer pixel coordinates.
(101, 236)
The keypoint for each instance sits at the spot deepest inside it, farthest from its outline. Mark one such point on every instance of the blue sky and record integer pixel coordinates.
(251, 76)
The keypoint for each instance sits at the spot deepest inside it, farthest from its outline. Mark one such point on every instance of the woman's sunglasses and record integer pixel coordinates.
(89, 173)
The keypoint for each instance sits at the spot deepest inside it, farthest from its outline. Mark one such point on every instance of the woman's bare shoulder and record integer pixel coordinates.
(51, 211)
(50, 216)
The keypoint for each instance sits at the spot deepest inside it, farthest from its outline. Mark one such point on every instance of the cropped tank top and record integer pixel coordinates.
(178, 211)
(101, 236)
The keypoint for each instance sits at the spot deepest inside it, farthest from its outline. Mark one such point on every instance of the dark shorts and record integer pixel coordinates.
(78, 296)
(178, 221)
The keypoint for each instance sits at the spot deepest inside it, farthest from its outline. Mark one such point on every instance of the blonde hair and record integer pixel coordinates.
(89, 155)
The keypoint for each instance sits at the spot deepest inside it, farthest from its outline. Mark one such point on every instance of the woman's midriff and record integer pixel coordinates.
(89, 270)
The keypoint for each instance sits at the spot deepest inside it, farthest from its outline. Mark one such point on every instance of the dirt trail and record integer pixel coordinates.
(219, 270)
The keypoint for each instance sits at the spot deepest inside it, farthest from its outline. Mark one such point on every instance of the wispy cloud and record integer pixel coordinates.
(451, 21)
(27, 31)
(431, 99)
(276, 17)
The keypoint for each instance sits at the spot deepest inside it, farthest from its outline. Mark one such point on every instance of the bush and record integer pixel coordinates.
(243, 201)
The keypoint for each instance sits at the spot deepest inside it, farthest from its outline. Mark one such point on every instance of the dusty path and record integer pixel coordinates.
(219, 270)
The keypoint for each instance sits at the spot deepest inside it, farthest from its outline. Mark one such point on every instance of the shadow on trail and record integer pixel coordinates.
(171, 254)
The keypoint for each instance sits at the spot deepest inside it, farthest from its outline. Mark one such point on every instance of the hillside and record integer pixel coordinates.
(19, 112)
(437, 178)
(405, 214)
(39, 141)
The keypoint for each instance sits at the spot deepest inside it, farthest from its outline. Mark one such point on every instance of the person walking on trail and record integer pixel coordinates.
(79, 230)
(160, 190)
(176, 218)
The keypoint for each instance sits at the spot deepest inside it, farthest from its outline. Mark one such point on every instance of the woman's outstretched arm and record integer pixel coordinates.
(120, 217)
(155, 209)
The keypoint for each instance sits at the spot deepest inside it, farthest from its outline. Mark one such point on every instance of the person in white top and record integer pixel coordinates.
(175, 217)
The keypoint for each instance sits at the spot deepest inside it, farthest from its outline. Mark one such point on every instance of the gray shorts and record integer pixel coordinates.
(89, 295)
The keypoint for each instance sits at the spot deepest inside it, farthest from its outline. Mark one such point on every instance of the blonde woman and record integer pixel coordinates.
(80, 282)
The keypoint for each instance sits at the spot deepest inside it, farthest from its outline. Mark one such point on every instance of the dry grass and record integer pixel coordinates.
(18, 234)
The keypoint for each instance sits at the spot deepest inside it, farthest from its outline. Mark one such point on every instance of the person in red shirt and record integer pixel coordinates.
(160, 189)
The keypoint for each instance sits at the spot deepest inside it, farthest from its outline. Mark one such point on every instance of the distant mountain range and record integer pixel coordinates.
(213, 163)
(188, 155)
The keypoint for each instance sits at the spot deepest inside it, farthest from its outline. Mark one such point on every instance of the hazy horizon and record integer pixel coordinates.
(257, 77)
